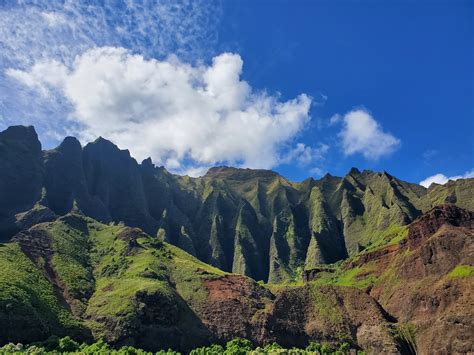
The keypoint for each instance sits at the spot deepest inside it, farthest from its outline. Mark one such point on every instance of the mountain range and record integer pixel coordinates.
(97, 245)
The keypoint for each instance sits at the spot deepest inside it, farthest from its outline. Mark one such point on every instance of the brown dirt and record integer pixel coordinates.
(36, 244)
(239, 307)
(423, 293)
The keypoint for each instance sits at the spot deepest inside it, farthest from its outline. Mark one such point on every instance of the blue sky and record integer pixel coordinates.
(302, 87)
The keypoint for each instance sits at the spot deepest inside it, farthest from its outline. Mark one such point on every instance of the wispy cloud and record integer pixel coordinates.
(443, 179)
(36, 30)
(33, 32)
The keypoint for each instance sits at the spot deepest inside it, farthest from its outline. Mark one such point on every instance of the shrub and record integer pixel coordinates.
(209, 350)
(238, 347)
(272, 347)
(33, 349)
(11, 348)
(313, 347)
(66, 344)
(97, 347)
(344, 348)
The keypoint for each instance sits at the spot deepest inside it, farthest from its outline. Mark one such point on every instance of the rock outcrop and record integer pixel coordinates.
(425, 281)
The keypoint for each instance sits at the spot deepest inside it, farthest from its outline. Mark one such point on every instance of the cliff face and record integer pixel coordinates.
(78, 277)
(75, 276)
(253, 222)
(20, 174)
(424, 280)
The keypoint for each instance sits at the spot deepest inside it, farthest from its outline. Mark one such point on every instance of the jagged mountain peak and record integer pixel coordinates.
(70, 144)
(25, 135)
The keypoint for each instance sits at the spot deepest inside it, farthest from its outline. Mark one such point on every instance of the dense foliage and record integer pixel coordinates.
(55, 345)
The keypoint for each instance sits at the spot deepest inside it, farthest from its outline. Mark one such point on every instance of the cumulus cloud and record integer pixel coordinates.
(42, 76)
(443, 179)
(185, 116)
(362, 134)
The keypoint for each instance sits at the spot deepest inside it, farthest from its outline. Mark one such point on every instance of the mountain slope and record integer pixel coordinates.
(423, 278)
(253, 222)
(76, 276)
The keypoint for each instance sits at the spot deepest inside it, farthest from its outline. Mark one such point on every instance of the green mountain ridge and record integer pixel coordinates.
(252, 222)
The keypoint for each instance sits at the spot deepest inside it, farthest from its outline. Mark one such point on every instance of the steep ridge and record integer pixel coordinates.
(20, 174)
(253, 222)
(423, 278)
(78, 277)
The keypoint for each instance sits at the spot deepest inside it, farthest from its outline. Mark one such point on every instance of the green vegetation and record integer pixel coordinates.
(91, 275)
(393, 234)
(325, 307)
(26, 293)
(461, 271)
(238, 346)
(358, 277)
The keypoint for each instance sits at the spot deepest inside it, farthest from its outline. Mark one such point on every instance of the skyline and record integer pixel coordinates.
(198, 84)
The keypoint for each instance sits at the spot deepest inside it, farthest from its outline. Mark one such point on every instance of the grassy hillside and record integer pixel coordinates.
(81, 277)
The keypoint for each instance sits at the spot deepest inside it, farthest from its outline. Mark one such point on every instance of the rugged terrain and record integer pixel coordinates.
(97, 246)
(78, 277)
(252, 222)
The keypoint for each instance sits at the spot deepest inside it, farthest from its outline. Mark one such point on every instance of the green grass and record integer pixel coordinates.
(26, 294)
(392, 235)
(148, 270)
(461, 271)
(188, 273)
(325, 307)
(359, 277)
(71, 259)
(102, 279)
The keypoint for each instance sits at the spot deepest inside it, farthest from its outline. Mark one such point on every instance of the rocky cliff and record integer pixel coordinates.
(253, 222)
(423, 278)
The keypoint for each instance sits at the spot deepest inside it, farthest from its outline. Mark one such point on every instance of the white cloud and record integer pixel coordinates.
(362, 134)
(54, 18)
(176, 112)
(39, 31)
(443, 179)
(316, 171)
(305, 155)
(42, 76)
(335, 119)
